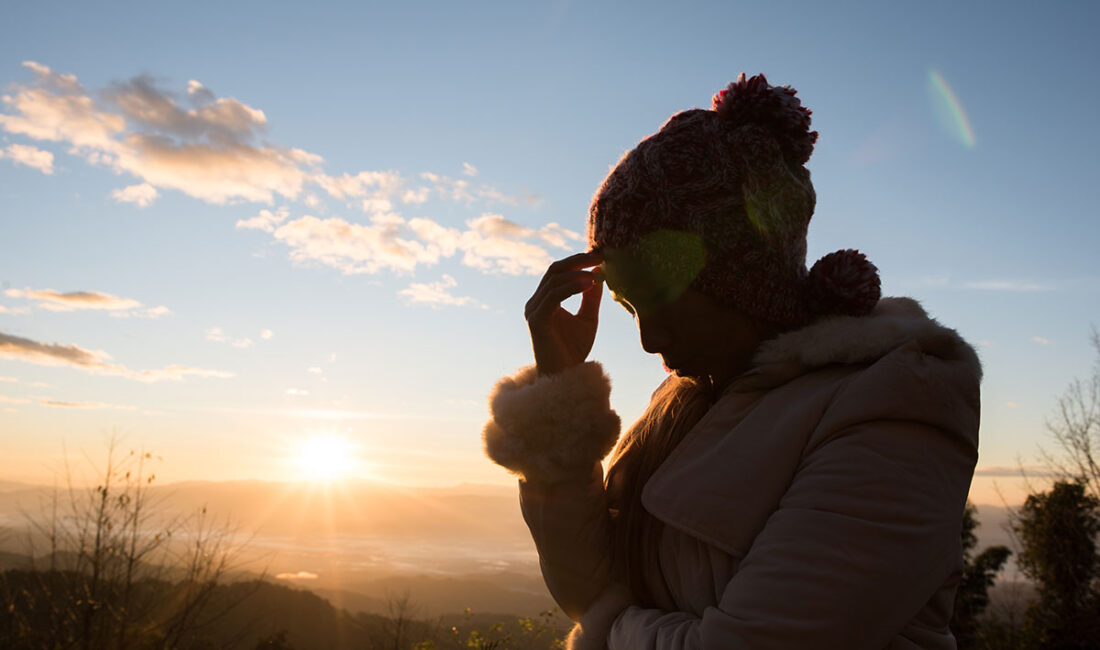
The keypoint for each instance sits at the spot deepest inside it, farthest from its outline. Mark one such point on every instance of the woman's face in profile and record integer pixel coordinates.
(695, 336)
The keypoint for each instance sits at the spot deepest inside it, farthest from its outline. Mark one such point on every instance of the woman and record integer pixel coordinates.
(799, 479)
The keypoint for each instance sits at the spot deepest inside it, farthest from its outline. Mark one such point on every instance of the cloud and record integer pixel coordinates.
(30, 156)
(56, 108)
(356, 248)
(468, 169)
(52, 300)
(14, 310)
(419, 195)
(266, 220)
(1034, 471)
(4, 399)
(8, 380)
(1006, 285)
(380, 185)
(314, 370)
(217, 119)
(1041, 341)
(216, 335)
(495, 244)
(266, 334)
(1012, 405)
(296, 391)
(490, 242)
(85, 405)
(142, 195)
(460, 190)
(92, 361)
(208, 151)
(436, 294)
(151, 312)
(300, 575)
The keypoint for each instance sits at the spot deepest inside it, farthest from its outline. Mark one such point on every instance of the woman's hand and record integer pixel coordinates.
(562, 340)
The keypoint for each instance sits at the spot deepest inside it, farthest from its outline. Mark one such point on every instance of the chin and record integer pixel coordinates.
(687, 372)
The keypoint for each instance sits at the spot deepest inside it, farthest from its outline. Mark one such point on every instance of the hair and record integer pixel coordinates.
(675, 408)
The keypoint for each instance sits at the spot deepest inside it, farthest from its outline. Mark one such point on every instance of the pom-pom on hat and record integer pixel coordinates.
(734, 176)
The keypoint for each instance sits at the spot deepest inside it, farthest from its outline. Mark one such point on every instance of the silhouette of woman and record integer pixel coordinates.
(799, 479)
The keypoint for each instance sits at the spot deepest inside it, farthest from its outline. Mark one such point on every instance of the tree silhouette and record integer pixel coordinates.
(1075, 428)
(1058, 531)
(979, 573)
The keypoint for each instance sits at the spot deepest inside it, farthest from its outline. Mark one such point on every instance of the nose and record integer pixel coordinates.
(655, 335)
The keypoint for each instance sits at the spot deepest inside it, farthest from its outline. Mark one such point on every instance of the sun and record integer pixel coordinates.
(325, 457)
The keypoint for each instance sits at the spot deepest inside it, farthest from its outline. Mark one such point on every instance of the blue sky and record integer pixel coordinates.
(413, 159)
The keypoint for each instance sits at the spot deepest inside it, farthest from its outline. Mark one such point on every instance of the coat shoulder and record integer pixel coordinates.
(895, 322)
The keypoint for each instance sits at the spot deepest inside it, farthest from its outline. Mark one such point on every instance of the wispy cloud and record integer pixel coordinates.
(437, 294)
(355, 248)
(300, 575)
(1006, 285)
(4, 399)
(378, 185)
(1041, 341)
(462, 191)
(946, 282)
(216, 335)
(92, 361)
(142, 195)
(14, 310)
(52, 300)
(1034, 471)
(85, 405)
(490, 243)
(266, 220)
(22, 154)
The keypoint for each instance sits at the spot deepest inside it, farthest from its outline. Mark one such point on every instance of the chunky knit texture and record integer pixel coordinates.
(734, 175)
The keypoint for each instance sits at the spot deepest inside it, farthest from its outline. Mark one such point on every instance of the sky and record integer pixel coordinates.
(277, 241)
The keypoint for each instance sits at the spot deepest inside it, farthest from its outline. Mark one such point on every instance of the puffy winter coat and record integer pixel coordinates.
(817, 504)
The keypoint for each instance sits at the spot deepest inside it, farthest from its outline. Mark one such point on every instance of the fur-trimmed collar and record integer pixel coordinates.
(859, 339)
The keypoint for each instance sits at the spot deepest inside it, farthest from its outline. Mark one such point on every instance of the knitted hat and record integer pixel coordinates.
(734, 177)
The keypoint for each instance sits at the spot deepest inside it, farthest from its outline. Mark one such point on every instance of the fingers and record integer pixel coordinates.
(549, 296)
(590, 302)
(571, 263)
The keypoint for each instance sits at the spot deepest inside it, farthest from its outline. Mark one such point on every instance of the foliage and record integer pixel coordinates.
(98, 557)
(1075, 428)
(1058, 531)
(978, 575)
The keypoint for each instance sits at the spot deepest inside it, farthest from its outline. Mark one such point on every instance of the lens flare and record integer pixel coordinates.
(949, 111)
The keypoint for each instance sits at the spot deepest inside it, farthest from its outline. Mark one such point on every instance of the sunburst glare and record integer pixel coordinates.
(326, 457)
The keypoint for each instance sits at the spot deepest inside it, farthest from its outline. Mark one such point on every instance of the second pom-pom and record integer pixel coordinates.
(753, 101)
(844, 282)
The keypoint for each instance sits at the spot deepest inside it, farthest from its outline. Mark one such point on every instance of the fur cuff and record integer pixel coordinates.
(591, 632)
(554, 427)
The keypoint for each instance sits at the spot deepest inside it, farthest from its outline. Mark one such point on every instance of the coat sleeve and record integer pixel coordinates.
(866, 533)
(553, 431)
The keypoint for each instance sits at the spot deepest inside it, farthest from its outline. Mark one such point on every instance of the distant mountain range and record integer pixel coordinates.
(360, 544)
